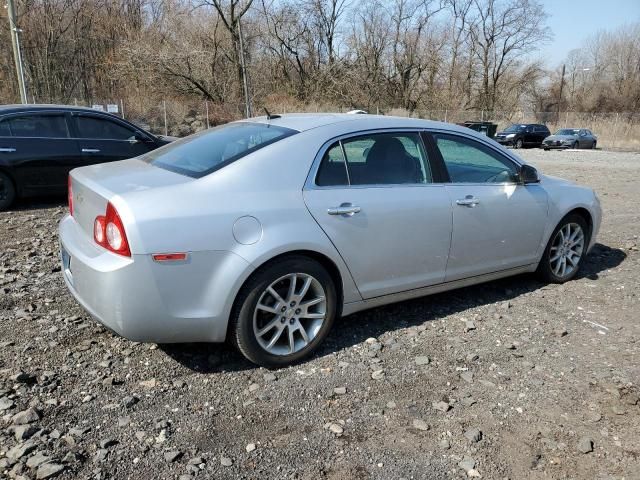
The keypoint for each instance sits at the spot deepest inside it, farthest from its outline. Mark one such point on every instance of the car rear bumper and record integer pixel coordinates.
(147, 301)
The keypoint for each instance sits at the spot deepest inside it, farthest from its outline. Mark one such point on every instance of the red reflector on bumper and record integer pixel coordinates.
(169, 257)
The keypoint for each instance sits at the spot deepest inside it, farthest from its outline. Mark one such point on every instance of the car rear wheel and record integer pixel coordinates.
(7, 191)
(284, 312)
(566, 249)
(593, 145)
(519, 143)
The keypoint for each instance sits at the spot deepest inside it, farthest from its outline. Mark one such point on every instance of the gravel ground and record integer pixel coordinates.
(511, 379)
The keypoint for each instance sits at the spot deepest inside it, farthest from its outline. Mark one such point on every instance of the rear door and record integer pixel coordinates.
(498, 223)
(39, 150)
(104, 139)
(376, 198)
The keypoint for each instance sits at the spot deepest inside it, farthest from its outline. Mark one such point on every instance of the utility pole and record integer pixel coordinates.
(560, 92)
(17, 55)
(245, 81)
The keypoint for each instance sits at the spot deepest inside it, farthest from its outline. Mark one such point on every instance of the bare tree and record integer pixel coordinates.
(503, 33)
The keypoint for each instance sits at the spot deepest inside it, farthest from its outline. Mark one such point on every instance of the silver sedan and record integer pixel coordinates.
(264, 231)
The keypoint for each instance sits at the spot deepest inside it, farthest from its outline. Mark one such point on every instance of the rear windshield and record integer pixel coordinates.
(205, 152)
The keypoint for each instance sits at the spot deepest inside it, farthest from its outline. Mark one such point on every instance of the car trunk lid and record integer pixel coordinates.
(96, 185)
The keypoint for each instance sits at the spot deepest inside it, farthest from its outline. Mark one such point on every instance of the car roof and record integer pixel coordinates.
(307, 121)
(29, 107)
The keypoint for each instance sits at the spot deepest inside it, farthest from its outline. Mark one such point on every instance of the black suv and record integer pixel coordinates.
(40, 144)
(521, 135)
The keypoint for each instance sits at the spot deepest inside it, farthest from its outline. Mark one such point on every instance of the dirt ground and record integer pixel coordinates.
(512, 379)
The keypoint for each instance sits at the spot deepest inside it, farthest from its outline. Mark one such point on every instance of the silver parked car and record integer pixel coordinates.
(265, 231)
(570, 138)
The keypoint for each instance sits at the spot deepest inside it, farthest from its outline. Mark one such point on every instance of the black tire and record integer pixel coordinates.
(544, 271)
(593, 147)
(546, 149)
(241, 324)
(519, 143)
(7, 191)
(575, 145)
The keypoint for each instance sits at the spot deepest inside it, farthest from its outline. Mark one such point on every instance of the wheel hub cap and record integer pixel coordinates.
(289, 314)
(566, 250)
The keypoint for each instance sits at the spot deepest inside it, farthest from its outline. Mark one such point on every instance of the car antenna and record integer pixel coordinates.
(269, 116)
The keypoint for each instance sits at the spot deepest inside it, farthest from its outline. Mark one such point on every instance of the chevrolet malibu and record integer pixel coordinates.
(264, 231)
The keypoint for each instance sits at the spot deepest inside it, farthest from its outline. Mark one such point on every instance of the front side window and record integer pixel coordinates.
(203, 153)
(377, 159)
(4, 128)
(468, 161)
(40, 125)
(97, 128)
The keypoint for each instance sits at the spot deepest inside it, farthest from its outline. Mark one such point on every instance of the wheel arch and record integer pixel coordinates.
(586, 215)
(12, 178)
(327, 263)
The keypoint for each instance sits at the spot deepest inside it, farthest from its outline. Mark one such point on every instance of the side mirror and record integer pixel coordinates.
(528, 174)
(138, 138)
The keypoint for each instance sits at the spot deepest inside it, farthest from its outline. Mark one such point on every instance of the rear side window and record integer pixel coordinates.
(377, 159)
(101, 128)
(203, 153)
(333, 170)
(47, 126)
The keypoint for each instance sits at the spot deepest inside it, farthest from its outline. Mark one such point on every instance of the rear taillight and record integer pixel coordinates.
(108, 231)
(70, 196)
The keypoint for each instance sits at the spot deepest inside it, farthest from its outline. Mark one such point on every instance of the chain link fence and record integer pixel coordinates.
(615, 130)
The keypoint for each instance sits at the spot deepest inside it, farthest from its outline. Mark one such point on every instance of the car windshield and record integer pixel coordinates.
(205, 152)
(515, 128)
(568, 131)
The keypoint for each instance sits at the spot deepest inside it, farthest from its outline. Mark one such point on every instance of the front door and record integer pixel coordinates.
(375, 199)
(102, 139)
(39, 151)
(498, 223)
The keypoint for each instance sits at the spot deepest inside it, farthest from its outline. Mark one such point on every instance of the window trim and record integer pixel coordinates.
(310, 183)
(495, 151)
(40, 113)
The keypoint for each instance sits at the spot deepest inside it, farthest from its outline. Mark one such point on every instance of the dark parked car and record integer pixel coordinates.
(571, 138)
(522, 135)
(40, 144)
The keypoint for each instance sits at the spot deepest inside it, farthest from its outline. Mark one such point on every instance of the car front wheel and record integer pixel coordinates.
(565, 251)
(284, 312)
(519, 143)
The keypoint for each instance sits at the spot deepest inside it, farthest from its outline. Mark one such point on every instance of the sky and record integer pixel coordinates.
(573, 21)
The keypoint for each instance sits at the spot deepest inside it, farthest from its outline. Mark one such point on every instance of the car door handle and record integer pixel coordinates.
(90, 150)
(468, 201)
(7, 149)
(346, 210)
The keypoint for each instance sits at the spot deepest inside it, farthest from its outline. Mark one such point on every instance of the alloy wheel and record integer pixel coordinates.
(289, 314)
(566, 250)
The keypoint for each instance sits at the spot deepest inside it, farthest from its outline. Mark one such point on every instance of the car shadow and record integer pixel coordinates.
(37, 203)
(356, 328)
